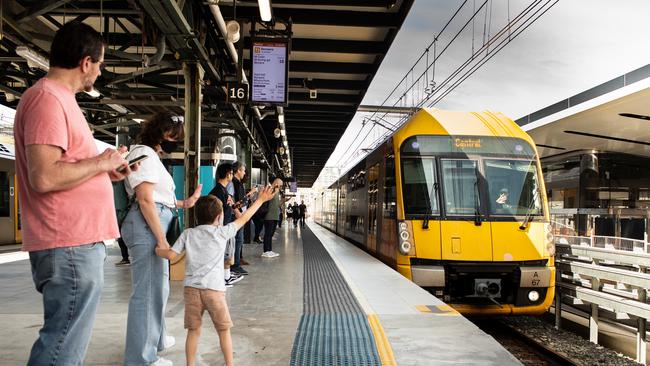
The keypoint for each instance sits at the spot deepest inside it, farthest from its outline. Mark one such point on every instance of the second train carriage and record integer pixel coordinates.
(455, 202)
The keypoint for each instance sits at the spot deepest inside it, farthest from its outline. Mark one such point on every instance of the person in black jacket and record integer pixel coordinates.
(224, 176)
(241, 199)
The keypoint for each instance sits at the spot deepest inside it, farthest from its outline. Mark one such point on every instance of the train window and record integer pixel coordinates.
(460, 187)
(5, 199)
(390, 196)
(513, 187)
(420, 186)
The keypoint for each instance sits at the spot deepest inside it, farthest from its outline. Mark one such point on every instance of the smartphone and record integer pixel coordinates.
(135, 161)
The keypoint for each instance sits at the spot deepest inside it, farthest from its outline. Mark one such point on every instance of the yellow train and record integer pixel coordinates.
(454, 201)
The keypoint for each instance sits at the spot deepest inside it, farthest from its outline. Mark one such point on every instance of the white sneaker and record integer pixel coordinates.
(266, 254)
(274, 254)
(169, 342)
(162, 362)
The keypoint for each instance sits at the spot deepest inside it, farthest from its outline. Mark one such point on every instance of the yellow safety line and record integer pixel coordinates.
(381, 342)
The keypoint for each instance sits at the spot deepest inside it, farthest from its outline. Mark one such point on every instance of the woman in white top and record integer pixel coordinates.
(144, 229)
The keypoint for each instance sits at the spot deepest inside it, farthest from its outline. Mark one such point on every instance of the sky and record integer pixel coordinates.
(576, 45)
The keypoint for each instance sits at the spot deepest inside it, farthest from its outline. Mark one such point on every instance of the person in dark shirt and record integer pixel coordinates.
(296, 214)
(241, 199)
(224, 176)
(302, 212)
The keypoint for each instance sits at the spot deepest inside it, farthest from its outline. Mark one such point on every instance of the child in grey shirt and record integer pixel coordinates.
(204, 286)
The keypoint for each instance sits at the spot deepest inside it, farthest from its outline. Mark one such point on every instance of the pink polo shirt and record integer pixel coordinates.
(48, 114)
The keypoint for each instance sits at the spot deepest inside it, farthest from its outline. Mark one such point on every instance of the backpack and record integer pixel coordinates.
(122, 201)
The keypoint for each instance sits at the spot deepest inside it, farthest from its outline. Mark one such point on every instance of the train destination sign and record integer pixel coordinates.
(269, 72)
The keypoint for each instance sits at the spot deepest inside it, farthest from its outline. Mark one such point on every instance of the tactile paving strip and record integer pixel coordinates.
(333, 329)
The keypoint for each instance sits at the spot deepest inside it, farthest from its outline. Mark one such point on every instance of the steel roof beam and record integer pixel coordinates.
(331, 46)
(41, 8)
(346, 3)
(328, 84)
(323, 17)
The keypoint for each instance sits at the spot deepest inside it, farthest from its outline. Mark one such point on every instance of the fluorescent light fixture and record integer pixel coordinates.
(283, 132)
(118, 108)
(94, 93)
(138, 120)
(281, 119)
(265, 10)
(34, 59)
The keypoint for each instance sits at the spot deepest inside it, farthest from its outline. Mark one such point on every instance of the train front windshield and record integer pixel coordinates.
(469, 175)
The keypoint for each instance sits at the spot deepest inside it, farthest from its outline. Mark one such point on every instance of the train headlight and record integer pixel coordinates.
(405, 234)
(405, 247)
(533, 296)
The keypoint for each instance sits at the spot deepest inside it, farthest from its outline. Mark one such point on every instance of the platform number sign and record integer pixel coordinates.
(237, 93)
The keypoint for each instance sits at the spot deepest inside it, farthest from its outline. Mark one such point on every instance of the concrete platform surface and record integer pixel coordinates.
(266, 308)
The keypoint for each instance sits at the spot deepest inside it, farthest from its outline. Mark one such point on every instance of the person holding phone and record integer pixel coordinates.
(271, 219)
(65, 194)
(144, 229)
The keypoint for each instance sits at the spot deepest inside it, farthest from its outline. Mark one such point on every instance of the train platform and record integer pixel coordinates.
(323, 301)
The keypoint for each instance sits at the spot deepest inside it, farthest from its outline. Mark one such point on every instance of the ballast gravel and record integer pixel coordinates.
(574, 347)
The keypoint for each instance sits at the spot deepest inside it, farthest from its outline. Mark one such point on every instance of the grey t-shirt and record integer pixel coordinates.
(204, 246)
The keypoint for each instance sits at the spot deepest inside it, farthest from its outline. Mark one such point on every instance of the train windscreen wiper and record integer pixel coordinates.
(427, 216)
(529, 210)
(529, 214)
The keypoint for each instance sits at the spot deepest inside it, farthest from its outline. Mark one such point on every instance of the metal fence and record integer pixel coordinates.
(608, 277)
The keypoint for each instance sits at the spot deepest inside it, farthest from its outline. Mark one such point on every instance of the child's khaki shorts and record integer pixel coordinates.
(198, 300)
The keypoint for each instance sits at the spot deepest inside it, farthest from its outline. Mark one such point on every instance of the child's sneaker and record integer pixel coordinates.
(234, 278)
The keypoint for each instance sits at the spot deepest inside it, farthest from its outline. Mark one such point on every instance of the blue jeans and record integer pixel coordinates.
(71, 281)
(239, 241)
(145, 330)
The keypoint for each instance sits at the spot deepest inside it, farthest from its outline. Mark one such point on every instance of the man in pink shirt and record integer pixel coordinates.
(66, 198)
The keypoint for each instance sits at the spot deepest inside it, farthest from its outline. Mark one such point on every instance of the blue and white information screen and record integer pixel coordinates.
(269, 72)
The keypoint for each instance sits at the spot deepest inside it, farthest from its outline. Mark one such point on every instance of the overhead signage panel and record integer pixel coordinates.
(269, 72)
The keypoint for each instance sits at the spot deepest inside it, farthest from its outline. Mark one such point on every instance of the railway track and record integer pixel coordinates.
(527, 350)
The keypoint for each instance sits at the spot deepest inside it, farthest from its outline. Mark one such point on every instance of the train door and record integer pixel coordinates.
(371, 238)
(387, 238)
(464, 235)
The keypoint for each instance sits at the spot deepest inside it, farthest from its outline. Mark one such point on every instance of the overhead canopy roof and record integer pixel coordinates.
(336, 48)
(613, 116)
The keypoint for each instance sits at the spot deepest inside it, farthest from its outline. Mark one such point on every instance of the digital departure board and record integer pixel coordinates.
(269, 72)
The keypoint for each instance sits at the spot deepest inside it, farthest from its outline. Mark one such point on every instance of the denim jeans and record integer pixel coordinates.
(239, 242)
(145, 330)
(71, 281)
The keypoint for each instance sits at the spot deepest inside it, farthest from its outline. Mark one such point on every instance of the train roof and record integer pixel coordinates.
(431, 121)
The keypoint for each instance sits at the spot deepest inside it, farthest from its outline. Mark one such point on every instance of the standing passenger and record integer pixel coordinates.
(303, 213)
(239, 171)
(205, 288)
(271, 220)
(66, 200)
(224, 177)
(144, 229)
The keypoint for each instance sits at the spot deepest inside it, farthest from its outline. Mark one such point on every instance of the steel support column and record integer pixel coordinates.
(192, 147)
(247, 148)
